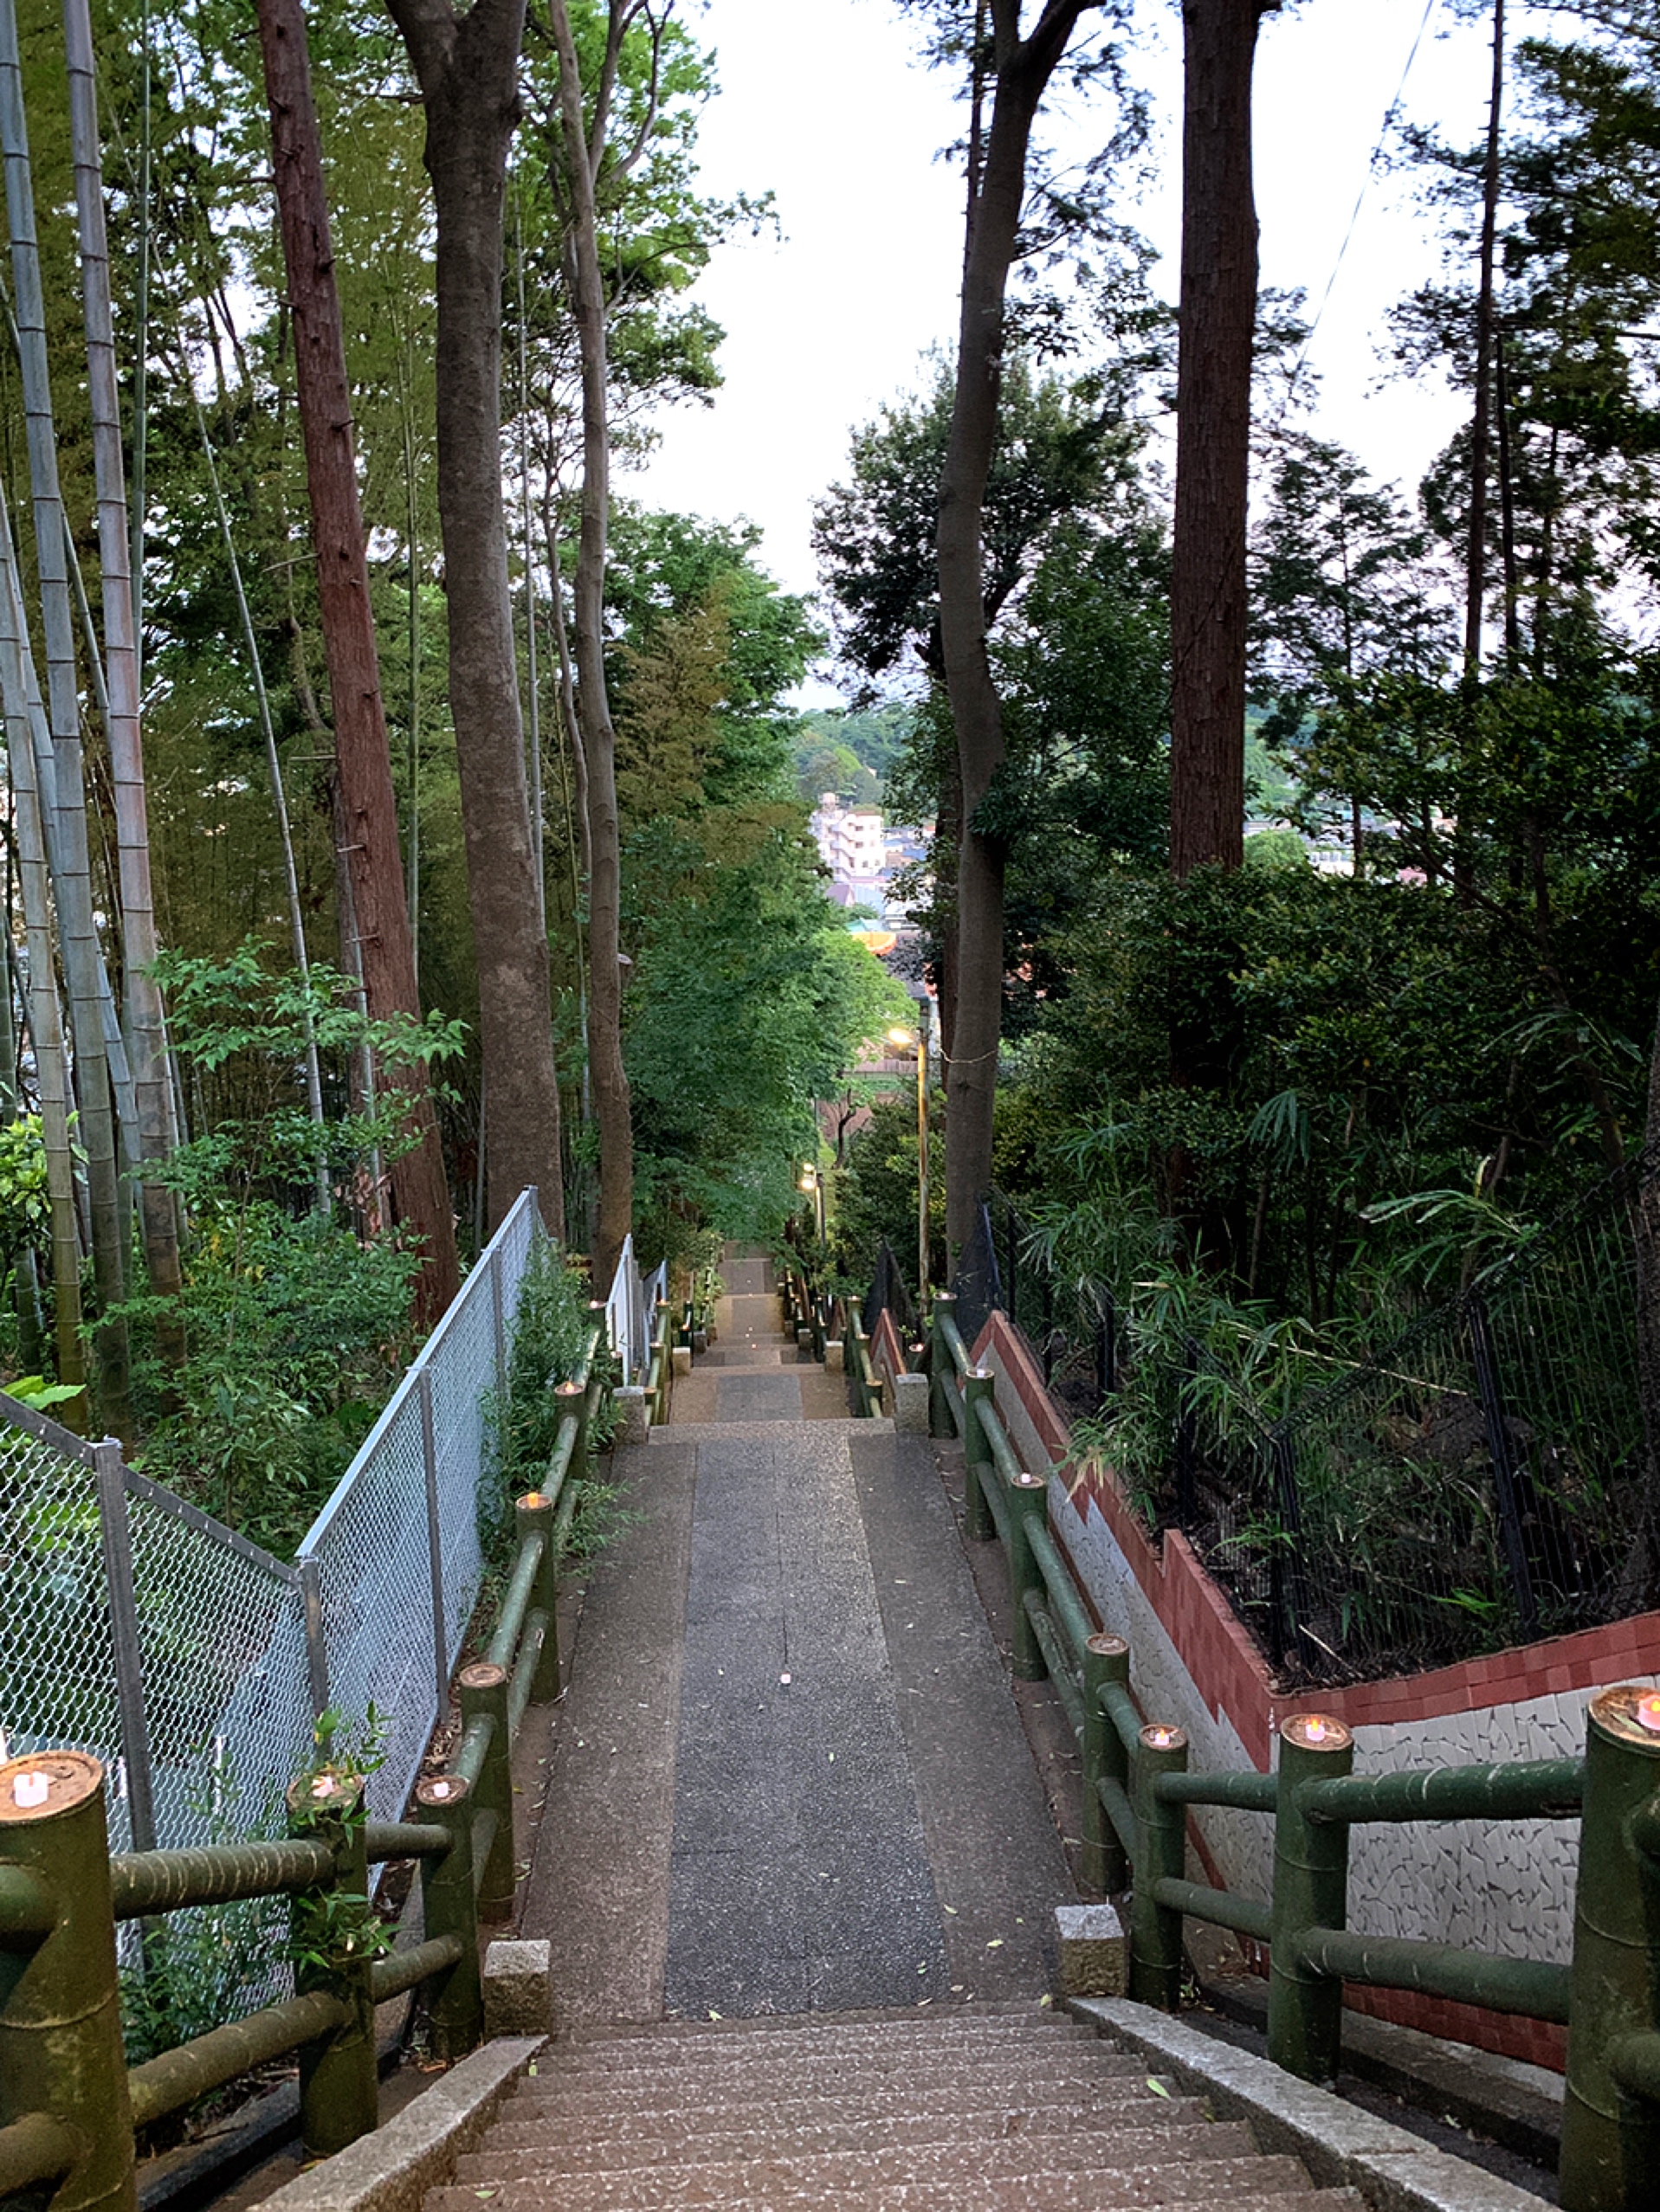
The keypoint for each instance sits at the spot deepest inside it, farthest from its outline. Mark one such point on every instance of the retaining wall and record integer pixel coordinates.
(1505, 1886)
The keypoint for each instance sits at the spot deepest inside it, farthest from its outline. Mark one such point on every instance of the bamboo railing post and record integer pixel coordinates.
(940, 1365)
(534, 1515)
(1105, 1659)
(1610, 2139)
(61, 2053)
(1160, 1852)
(1028, 1501)
(450, 1906)
(483, 1689)
(979, 1387)
(1311, 1871)
(339, 2083)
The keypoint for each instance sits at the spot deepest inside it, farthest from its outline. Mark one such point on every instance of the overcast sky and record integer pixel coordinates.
(823, 103)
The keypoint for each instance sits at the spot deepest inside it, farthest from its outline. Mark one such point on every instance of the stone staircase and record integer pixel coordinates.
(981, 2108)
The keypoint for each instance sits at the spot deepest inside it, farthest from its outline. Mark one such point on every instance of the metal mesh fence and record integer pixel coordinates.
(227, 1716)
(151, 1633)
(1483, 1480)
(57, 1656)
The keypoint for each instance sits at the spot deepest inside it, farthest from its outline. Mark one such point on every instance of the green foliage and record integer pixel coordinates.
(874, 1195)
(551, 1331)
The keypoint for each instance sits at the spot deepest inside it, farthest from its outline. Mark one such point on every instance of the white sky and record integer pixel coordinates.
(822, 102)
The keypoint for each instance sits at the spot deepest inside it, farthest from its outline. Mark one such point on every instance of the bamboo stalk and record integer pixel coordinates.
(120, 681)
(45, 1015)
(77, 927)
(278, 799)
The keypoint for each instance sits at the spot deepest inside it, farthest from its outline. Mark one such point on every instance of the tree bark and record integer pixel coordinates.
(367, 806)
(1481, 417)
(467, 68)
(611, 1107)
(1216, 324)
(1023, 70)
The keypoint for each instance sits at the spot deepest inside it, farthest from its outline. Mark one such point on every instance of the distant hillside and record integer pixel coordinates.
(848, 753)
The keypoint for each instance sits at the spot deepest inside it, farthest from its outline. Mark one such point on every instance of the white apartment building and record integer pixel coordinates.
(850, 840)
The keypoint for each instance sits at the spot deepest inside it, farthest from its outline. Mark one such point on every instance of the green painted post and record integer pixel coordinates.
(484, 1689)
(60, 1993)
(978, 1385)
(940, 1365)
(1610, 2141)
(534, 1515)
(1311, 1875)
(1028, 1501)
(1160, 1851)
(339, 2084)
(450, 1906)
(1104, 1867)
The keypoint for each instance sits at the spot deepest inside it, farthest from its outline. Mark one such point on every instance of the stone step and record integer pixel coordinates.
(976, 2012)
(526, 2123)
(805, 2044)
(1033, 2193)
(1019, 2077)
(1061, 2124)
(1199, 2169)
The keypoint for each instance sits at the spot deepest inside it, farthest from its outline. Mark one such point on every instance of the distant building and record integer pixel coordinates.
(849, 840)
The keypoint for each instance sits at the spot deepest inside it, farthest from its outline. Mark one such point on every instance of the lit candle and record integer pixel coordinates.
(533, 1499)
(30, 1790)
(1648, 1712)
(1160, 1738)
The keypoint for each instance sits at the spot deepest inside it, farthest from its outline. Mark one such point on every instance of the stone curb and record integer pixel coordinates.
(1341, 2146)
(392, 2170)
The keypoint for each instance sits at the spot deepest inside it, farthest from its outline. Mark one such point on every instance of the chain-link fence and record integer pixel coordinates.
(191, 1661)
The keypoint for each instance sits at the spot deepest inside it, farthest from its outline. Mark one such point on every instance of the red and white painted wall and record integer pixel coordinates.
(1504, 1886)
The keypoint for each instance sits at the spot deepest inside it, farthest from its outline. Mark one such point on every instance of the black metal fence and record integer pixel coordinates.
(1070, 1324)
(887, 1294)
(1483, 1480)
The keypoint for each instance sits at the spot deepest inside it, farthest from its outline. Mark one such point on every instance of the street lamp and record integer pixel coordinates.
(813, 1183)
(917, 1042)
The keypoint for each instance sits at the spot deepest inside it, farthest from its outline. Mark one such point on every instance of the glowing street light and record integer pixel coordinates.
(916, 1041)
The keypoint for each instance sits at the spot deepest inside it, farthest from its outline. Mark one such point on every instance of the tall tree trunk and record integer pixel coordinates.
(1216, 326)
(67, 848)
(143, 1012)
(612, 1114)
(468, 69)
(367, 807)
(1023, 70)
(1481, 417)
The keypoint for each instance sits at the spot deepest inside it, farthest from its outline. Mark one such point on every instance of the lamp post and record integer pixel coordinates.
(918, 1043)
(813, 1183)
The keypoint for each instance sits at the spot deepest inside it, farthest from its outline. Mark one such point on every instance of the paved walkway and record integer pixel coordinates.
(789, 1774)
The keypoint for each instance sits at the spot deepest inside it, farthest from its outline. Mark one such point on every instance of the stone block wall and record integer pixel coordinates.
(1504, 1886)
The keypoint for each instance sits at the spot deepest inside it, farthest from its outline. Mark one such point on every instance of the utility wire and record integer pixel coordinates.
(1390, 114)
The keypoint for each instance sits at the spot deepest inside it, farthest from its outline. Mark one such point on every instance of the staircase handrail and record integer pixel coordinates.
(1137, 1786)
(63, 1892)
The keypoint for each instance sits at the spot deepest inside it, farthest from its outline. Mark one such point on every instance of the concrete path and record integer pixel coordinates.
(789, 1776)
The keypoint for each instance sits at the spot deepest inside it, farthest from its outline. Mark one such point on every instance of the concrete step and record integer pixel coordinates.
(976, 2012)
(525, 2124)
(930, 2132)
(1023, 2193)
(970, 2076)
(1200, 2170)
(803, 2045)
